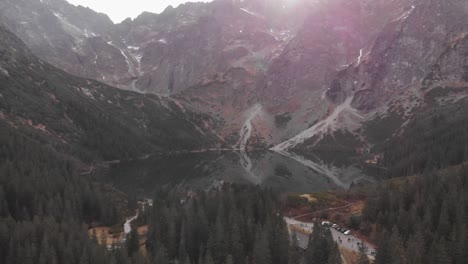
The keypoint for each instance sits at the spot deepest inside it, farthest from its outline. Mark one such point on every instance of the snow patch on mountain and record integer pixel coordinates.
(136, 56)
(131, 66)
(89, 34)
(249, 12)
(133, 60)
(407, 13)
(133, 48)
(87, 92)
(324, 94)
(360, 57)
(72, 29)
(5, 72)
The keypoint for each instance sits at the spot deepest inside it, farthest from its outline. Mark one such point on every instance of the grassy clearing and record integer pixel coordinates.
(108, 236)
(104, 234)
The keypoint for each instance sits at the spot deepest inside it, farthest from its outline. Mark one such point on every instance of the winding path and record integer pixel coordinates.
(128, 226)
(324, 210)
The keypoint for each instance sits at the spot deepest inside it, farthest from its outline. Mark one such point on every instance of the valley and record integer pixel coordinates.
(228, 131)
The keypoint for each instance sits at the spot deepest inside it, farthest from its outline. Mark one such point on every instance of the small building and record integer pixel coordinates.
(374, 160)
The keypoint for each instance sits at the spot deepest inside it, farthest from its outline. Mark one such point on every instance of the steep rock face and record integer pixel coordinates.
(298, 81)
(65, 36)
(330, 38)
(161, 54)
(447, 81)
(393, 79)
(196, 41)
(403, 53)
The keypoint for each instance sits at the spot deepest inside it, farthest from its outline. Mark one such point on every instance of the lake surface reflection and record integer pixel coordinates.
(284, 172)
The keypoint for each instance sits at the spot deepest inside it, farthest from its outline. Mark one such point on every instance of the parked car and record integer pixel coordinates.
(326, 223)
(347, 232)
(335, 226)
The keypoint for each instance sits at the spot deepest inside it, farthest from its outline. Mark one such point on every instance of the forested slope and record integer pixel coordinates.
(436, 138)
(422, 220)
(86, 116)
(232, 225)
(44, 204)
(49, 120)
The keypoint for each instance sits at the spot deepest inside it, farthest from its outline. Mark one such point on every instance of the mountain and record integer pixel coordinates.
(416, 64)
(288, 75)
(154, 53)
(85, 117)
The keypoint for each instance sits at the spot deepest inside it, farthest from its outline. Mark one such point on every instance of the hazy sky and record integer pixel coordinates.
(118, 10)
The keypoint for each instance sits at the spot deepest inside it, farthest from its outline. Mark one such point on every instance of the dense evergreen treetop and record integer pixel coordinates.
(422, 220)
(437, 138)
(44, 205)
(236, 224)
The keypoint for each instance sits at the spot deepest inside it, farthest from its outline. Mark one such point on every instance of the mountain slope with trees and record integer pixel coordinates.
(87, 118)
(45, 204)
(422, 220)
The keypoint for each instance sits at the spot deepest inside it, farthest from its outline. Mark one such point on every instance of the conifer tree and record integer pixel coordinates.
(261, 253)
(133, 242)
(294, 254)
(363, 250)
(161, 256)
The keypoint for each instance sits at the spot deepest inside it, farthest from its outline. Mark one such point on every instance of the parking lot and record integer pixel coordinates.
(346, 241)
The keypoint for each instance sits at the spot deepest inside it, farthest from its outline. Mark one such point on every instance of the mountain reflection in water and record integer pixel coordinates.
(285, 172)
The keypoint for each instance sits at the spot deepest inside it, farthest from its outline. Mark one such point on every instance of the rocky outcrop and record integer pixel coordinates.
(403, 53)
(417, 51)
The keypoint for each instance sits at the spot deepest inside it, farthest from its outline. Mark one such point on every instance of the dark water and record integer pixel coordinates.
(284, 172)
